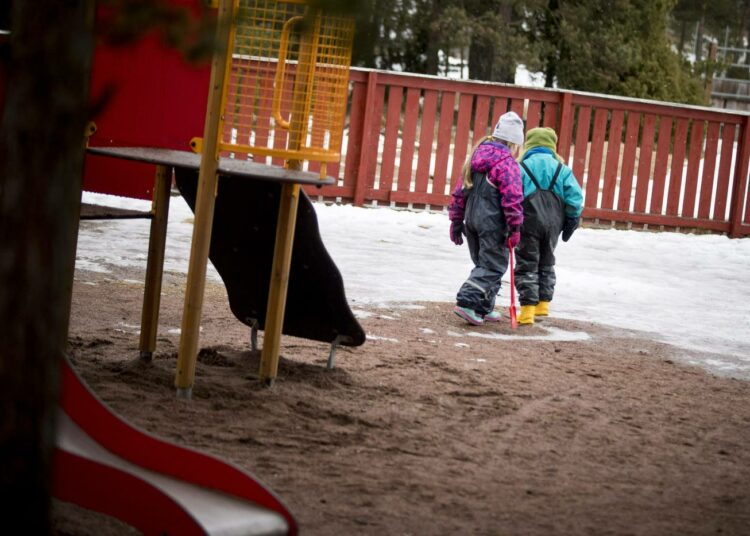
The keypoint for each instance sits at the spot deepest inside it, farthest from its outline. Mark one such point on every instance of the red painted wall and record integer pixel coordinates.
(156, 99)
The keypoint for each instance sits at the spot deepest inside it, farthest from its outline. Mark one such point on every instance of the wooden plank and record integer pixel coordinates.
(420, 198)
(628, 161)
(408, 137)
(613, 159)
(229, 117)
(516, 105)
(550, 115)
(225, 166)
(426, 137)
(565, 132)
(738, 214)
(595, 158)
(499, 107)
(279, 284)
(245, 112)
(480, 118)
(375, 125)
(694, 160)
(660, 165)
(424, 82)
(447, 105)
(533, 114)
(462, 137)
(656, 108)
(678, 159)
(356, 116)
(728, 135)
(645, 156)
(370, 137)
(155, 262)
(262, 125)
(709, 171)
(583, 124)
(392, 120)
(187, 354)
(346, 193)
(655, 219)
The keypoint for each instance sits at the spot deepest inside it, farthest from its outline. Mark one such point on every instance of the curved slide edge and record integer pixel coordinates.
(104, 464)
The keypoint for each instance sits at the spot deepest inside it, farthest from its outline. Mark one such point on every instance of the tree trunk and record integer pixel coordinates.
(481, 60)
(683, 35)
(41, 161)
(552, 36)
(433, 41)
(699, 41)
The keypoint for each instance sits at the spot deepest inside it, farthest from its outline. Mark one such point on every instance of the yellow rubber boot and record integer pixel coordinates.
(527, 314)
(542, 309)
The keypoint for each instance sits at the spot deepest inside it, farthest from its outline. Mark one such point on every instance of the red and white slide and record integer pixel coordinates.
(104, 464)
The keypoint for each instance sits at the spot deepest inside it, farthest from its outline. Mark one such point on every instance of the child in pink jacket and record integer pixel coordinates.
(487, 209)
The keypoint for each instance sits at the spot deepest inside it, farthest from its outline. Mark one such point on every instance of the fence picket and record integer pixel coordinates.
(445, 126)
(645, 158)
(694, 157)
(591, 198)
(660, 164)
(728, 135)
(465, 103)
(408, 137)
(613, 159)
(709, 170)
(582, 142)
(393, 117)
(426, 137)
(678, 160)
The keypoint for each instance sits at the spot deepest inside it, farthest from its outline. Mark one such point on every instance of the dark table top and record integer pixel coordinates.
(227, 166)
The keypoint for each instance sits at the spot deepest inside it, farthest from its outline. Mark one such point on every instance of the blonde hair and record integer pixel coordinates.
(468, 183)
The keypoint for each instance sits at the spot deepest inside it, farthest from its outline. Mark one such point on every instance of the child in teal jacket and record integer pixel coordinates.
(552, 204)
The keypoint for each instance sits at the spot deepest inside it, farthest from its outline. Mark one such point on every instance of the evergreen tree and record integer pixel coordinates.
(621, 47)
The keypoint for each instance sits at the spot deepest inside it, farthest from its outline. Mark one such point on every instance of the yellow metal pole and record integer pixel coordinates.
(155, 264)
(204, 209)
(287, 221)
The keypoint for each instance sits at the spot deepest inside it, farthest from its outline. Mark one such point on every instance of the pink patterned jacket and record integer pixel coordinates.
(495, 159)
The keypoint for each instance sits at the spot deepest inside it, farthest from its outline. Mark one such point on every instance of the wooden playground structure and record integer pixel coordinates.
(302, 55)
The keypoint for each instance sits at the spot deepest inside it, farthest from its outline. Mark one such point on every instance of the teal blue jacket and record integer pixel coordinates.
(543, 164)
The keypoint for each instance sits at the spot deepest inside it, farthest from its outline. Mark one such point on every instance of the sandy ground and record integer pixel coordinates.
(431, 429)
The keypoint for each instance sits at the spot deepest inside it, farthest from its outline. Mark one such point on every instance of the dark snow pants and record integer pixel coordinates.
(486, 233)
(543, 216)
(535, 266)
(490, 257)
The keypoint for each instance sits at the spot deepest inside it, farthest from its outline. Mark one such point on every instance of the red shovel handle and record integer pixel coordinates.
(512, 309)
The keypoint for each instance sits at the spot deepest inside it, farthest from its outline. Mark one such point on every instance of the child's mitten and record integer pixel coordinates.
(570, 225)
(457, 229)
(514, 239)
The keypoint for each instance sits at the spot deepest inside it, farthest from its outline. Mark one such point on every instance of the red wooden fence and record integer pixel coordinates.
(640, 163)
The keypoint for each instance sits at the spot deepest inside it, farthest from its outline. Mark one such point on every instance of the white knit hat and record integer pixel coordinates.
(509, 128)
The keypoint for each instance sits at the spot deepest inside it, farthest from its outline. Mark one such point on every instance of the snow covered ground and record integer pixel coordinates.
(687, 290)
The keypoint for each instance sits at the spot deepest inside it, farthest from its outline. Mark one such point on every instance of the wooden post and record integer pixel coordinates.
(155, 264)
(277, 292)
(287, 220)
(204, 210)
(565, 134)
(739, 188)
(365, 153)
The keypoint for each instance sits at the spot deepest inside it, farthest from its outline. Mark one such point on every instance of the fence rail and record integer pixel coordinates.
(640, 163)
